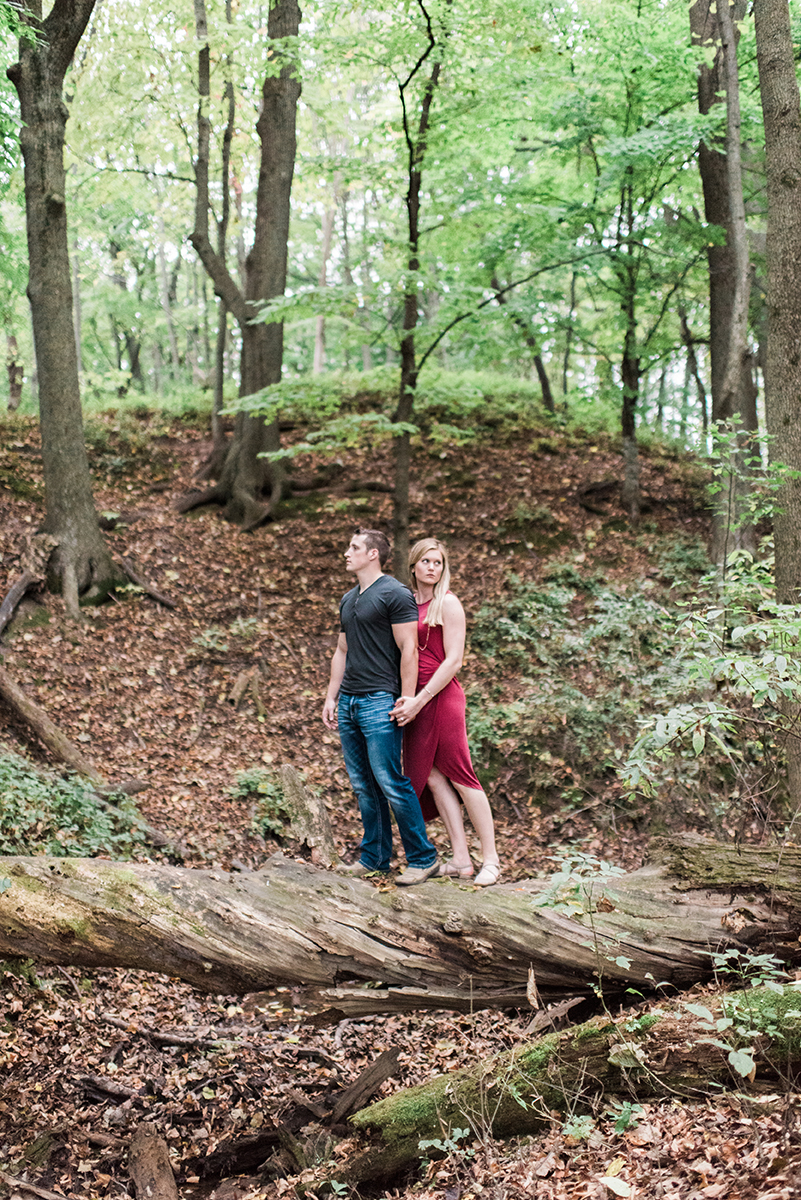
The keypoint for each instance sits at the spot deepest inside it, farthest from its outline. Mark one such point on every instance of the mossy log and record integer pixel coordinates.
(440, 945)
(671, 1050)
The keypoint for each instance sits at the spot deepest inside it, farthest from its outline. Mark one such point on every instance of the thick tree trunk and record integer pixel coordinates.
(456, 948)
(245, 474)
(81, 562)
(781, 110)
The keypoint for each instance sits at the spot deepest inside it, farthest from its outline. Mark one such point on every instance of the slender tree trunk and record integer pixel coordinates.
(733, 389)
(630, 376)
(732, 530)
(367, 351)
(214, 465)
(569, 335)
(81, 562)
(781, 111)
(15, 372)
(531, 342)
(692, 366)
(329, 215)
(416, 146)
(246, 475)
(164, 297)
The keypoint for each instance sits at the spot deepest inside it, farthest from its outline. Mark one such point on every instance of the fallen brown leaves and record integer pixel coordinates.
(146, 692)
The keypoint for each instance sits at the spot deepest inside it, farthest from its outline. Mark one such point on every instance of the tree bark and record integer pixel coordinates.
(630, 376)
(245, 475)
(531, 342)
(81, 562)
(781, 111)
(294, 924)
(15, 372)
(734, 393)
(416, 147)
(515, 1093)
(149, 1164)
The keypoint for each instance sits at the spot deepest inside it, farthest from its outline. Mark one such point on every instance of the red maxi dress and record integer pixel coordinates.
(437, 737)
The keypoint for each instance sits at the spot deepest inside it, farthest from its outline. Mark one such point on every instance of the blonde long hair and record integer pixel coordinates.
(434, 614)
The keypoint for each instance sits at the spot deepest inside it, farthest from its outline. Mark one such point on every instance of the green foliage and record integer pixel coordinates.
(350, 409)
(45, 814)
(446, 1145)
(741, 667)
(745, 968)
(578, 885)
(270, 813)
(580, 1127)
(625, 1113)
(591, 659)
(212, 639)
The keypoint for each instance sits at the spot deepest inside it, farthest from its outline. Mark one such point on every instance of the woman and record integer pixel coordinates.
(436, 755)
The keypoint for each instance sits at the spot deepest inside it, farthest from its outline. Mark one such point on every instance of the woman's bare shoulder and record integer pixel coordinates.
(451, 605)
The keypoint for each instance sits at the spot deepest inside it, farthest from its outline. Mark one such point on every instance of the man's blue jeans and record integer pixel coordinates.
(371, 745)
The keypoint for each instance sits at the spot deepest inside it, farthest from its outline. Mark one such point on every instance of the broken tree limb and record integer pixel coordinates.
(22, 1185)
(33, 560)
(291, 923)
(46, 730)
(14, 595)
(149, 1165)
(68, 753)
(308, 817)
(671, 1050)
(146, 587)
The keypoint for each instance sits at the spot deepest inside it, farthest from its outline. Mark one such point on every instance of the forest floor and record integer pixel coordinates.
(147, 693)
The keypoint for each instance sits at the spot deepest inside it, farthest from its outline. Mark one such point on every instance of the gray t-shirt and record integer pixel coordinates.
(366, 619)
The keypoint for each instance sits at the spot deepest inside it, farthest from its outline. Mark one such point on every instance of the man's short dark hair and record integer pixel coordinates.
(374, 539)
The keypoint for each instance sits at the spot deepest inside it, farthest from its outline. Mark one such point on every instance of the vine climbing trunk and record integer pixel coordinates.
(81, 563)
(246, 476)
(781, 109)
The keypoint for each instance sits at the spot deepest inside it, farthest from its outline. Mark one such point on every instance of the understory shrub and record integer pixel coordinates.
(270, 812)
(609, 686)
(44, 813)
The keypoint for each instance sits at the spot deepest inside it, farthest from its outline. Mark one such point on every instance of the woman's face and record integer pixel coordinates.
(428, 569)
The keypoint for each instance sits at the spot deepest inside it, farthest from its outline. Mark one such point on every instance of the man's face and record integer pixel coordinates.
(357, 556)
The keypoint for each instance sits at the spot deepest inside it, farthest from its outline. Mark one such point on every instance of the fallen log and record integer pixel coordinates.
(292, 923)
(674, 1049)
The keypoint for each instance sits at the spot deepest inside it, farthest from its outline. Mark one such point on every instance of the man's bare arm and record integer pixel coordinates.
(335, 682)
(405, 636)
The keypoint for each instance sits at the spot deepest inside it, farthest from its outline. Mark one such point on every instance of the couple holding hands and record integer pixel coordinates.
(393, 686)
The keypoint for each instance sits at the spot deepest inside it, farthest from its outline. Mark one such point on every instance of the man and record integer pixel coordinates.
(375, 661)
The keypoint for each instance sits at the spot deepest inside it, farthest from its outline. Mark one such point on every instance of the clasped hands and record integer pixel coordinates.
(406, 709)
